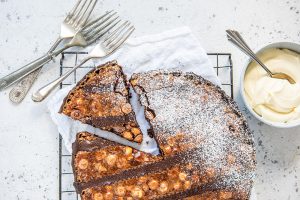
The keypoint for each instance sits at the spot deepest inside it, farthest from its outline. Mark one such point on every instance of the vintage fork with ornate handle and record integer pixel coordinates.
(91, 31)
(74, 20)
(108, 45)
(84, 37)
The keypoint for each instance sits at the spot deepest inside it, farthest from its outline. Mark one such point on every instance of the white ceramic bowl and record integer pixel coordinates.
(281, 45)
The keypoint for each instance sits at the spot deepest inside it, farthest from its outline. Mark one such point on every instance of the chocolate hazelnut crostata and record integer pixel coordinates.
(206, 147)
(101, 99)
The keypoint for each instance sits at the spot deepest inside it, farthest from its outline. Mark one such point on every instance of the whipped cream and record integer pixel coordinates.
(275, 100)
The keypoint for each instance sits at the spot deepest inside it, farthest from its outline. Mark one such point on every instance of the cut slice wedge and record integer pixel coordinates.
(101, 99)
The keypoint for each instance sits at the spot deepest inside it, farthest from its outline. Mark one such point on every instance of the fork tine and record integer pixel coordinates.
(71, 13)
(85, 17)
(81, 14)
(122, 38)
(98, 27)
(98, 22)
(102, 30)
(101, 26)
(112, 36)
(78, 11)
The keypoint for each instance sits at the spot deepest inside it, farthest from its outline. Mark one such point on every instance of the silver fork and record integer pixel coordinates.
(74, 20)
(110, 43)
(83, 37)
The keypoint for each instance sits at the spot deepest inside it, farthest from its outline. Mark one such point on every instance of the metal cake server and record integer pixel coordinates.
(74, 20)
(108, 45)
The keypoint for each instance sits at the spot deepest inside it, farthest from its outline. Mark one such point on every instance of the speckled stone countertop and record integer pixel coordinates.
(29, 140)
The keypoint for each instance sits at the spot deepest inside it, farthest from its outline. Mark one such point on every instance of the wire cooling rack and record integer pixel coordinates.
(222, 64)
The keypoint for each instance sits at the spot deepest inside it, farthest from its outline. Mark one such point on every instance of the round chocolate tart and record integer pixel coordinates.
(207, 150)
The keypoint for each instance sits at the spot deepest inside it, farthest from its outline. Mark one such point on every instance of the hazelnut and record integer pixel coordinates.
(225, 195)
(139, 157)
(128, 151)
(145, 187)
(189, 166)
(130, 157)
(163, 187)
(173, 173)
(135, 131)
(100, 155)
(121, 163)
(100, 167)
(187, 184)
(98, 196)
(137, 192)
(133, 82)
(108, 187)
(204, 179)
(129, 187)
(111, 159)
(138, 138)
(177, 185)
(127, 127)
(153, 184)
(149, 115)
(182, 176)
(231, 159)
(94, 106)
(133, 124)
(83, 164)
(120, 191)
(195, 178)
(108, 195)
(126, 108)
(75, 114)
(167, 149)
(146, 158)
(172, 141)
(79, 101)
(175, 149)
(210, 172)
(142, 179)
(127, 135)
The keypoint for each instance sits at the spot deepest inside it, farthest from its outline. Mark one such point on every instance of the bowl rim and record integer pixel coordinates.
(280, 45)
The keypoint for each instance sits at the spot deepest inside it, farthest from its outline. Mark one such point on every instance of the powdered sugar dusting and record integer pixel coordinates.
(186, 103)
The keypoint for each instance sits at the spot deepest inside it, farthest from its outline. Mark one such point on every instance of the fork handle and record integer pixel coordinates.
(43, 92)
(27, 69)
(19, 91)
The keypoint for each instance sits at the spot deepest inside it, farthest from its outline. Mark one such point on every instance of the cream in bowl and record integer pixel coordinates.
(275, 100)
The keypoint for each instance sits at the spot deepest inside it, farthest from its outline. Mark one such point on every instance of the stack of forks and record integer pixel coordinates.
(76, 30)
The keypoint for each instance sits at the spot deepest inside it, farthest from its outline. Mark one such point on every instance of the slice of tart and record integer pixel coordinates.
(96, 158)
(101, 99)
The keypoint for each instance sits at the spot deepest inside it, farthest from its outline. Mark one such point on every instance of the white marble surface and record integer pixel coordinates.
(29, 141)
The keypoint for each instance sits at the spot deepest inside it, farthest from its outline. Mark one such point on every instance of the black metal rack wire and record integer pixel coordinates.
(222, 64)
